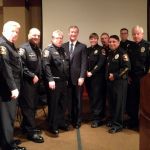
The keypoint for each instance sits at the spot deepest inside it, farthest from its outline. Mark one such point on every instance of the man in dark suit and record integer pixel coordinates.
(78, 64)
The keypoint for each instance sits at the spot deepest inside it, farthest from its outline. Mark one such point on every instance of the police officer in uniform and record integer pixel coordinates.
(104, 37)
(117, 68)
(56, 72)
(95, 80)
(31, 58)
(124, 43)
(10, 76)
(139, 54)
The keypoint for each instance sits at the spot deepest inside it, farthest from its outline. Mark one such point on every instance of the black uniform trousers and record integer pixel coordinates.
(117, 93)
(96, 88)
(134, 100)
(56, 105)
(76, 93)
(28, 102)
(7, 117)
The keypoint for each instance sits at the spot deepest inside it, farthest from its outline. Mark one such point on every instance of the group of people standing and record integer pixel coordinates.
(111, 71)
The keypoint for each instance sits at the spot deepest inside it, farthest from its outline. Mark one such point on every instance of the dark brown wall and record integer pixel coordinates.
(145, 114)
(30, 15)
(11, 3)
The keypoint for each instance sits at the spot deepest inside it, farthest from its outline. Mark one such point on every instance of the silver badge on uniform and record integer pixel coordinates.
(21, 51)
(96, 51)
(142, 49)
(45, 53)
(116, 56)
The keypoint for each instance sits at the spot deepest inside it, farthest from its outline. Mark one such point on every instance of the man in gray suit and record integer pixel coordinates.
(78, 64)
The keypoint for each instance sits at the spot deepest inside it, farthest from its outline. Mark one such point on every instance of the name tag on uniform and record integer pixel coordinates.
(142, 49)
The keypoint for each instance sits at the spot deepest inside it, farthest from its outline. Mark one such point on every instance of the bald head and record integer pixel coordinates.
(34, 36)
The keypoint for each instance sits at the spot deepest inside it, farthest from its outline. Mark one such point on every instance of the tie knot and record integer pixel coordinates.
(71, 45)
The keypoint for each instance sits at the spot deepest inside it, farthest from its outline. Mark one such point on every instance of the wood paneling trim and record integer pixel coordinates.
(1, 10)
(13, 3)
(35, 3)
(27, 3)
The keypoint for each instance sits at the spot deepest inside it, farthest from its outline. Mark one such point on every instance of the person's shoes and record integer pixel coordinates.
(109, 124)
(35, 137)
(17, 142)
(77, 125)
(64, 127)
(15, 147)
(96, 124)
(115, 130)
(55, 132)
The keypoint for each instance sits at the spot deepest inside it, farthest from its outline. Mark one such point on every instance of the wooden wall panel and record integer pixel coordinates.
(13, 3)
(145, 113)
(28, 3)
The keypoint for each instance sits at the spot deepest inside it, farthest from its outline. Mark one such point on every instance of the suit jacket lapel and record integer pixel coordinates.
(67, 49)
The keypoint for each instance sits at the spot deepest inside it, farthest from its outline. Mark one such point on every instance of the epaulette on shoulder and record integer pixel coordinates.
(3, 50)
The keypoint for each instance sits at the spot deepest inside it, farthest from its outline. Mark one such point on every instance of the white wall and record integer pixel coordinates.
(92, 16)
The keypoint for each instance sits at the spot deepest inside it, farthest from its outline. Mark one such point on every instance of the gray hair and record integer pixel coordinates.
(10, 24)
(57, 32)
(138, 28)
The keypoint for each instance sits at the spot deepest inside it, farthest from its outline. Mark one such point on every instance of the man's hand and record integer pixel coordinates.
(80, 81)
(89, 74)
(35, 79)
(129, 80)
(111, 77)
(51, 85)
(14, 94)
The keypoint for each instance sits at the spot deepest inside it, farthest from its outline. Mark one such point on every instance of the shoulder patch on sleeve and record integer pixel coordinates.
(21, 51)
(45, 53)
(125, 57)
(3, 50)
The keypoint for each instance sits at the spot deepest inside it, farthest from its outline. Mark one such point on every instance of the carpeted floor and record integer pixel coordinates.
(86, 138)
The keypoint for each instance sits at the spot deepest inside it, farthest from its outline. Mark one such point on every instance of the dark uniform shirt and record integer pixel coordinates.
(125, 44)
(118, 64)
(107, 50)
(10, 68)
(55, 64)
(139, 54)
(31, 57)
(96, 57)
